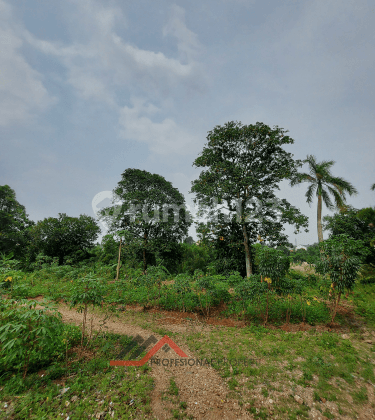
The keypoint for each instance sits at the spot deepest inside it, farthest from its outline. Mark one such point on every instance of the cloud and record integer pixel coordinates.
(22, 93)
(103, 61)
(163, 138)
(319, 52)
(188, 44)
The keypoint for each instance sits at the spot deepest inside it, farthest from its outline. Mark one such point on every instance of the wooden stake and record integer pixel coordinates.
(119, 258)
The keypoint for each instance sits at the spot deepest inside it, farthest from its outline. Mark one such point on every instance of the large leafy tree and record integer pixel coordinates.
(323, 182)
(245, 164)
(64, 237)
(357, 224)
(150, 211)
(14, 223)
(189, 240)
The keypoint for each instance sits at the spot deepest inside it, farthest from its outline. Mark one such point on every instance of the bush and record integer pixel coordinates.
(20, 291)
(234, 278)
(29, 337)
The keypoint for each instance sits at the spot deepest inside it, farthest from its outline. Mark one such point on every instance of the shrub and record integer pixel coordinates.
(29, 336)
(234, 278)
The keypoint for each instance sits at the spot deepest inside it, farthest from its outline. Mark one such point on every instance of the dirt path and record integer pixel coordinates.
(201, 387)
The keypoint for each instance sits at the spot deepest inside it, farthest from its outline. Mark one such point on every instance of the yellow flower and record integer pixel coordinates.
(8, 279)
(316, 299)
(268, 280)
(308, 302)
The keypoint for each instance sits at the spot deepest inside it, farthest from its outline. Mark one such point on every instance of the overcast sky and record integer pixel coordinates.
(89, 88)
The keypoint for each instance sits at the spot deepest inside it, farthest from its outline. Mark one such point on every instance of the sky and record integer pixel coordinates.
(89, 88)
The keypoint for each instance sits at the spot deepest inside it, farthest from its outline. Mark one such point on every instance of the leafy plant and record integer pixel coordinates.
(238, 159)
(234, 278)
(27, 333)
(87, 291)
(341, 264)
(182, 287)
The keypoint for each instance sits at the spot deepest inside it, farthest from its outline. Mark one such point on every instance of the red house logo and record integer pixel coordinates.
(144, 344)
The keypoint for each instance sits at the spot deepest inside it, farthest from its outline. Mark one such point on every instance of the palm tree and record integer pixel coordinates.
(320, 177)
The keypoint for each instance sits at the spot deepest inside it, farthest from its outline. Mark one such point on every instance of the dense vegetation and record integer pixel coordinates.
(241, 268)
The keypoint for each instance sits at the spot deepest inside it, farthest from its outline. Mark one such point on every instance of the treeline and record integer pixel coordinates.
(149, 223)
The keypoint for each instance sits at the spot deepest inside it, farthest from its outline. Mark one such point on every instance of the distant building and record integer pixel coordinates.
(298, 247)
(301, 247)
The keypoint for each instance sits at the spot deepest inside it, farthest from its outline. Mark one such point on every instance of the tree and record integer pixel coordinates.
(189, 240)
(246, 163)
(373, 187)
(319, 177)
(140, 199)
(342, 258)
(357, 224)
(14, 223)
(64, 237)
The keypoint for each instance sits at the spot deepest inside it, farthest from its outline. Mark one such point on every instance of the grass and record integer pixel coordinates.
(318, 367)
(179, 407)
(91, 385)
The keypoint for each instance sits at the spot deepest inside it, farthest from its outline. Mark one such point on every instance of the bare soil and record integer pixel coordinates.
(204, 391)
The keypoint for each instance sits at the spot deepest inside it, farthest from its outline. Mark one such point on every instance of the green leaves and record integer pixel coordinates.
(88, 291)
(271, 262)
(340, 260)
(246, 162)
(151, 215)
(64, 236)
(28, 335)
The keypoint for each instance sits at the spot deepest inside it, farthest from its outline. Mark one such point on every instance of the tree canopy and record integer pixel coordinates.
(357, 224)
(64, 236)
(150, 212)
(14, 222)
(245, 165)
(323, 182)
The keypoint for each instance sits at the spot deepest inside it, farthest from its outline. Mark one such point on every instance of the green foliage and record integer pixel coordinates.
(358, 225)
(250, 290)
(234, 278)
(340, 262)
(149, 214)
(14, 223)
(64, 237)
(182, 283)
(29, 336)
(154, 277)
(194, 257)
(272, 263)
(367, 274)
(320, 177)
(87, 291)
(189, 240)
(238, 159)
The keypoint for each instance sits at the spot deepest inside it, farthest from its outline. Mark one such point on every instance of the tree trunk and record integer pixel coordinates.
(249, 270)
(144, 254)
(119, 259)
(320, 229)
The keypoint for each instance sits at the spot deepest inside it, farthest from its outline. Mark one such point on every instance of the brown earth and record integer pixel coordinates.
(201, 387)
